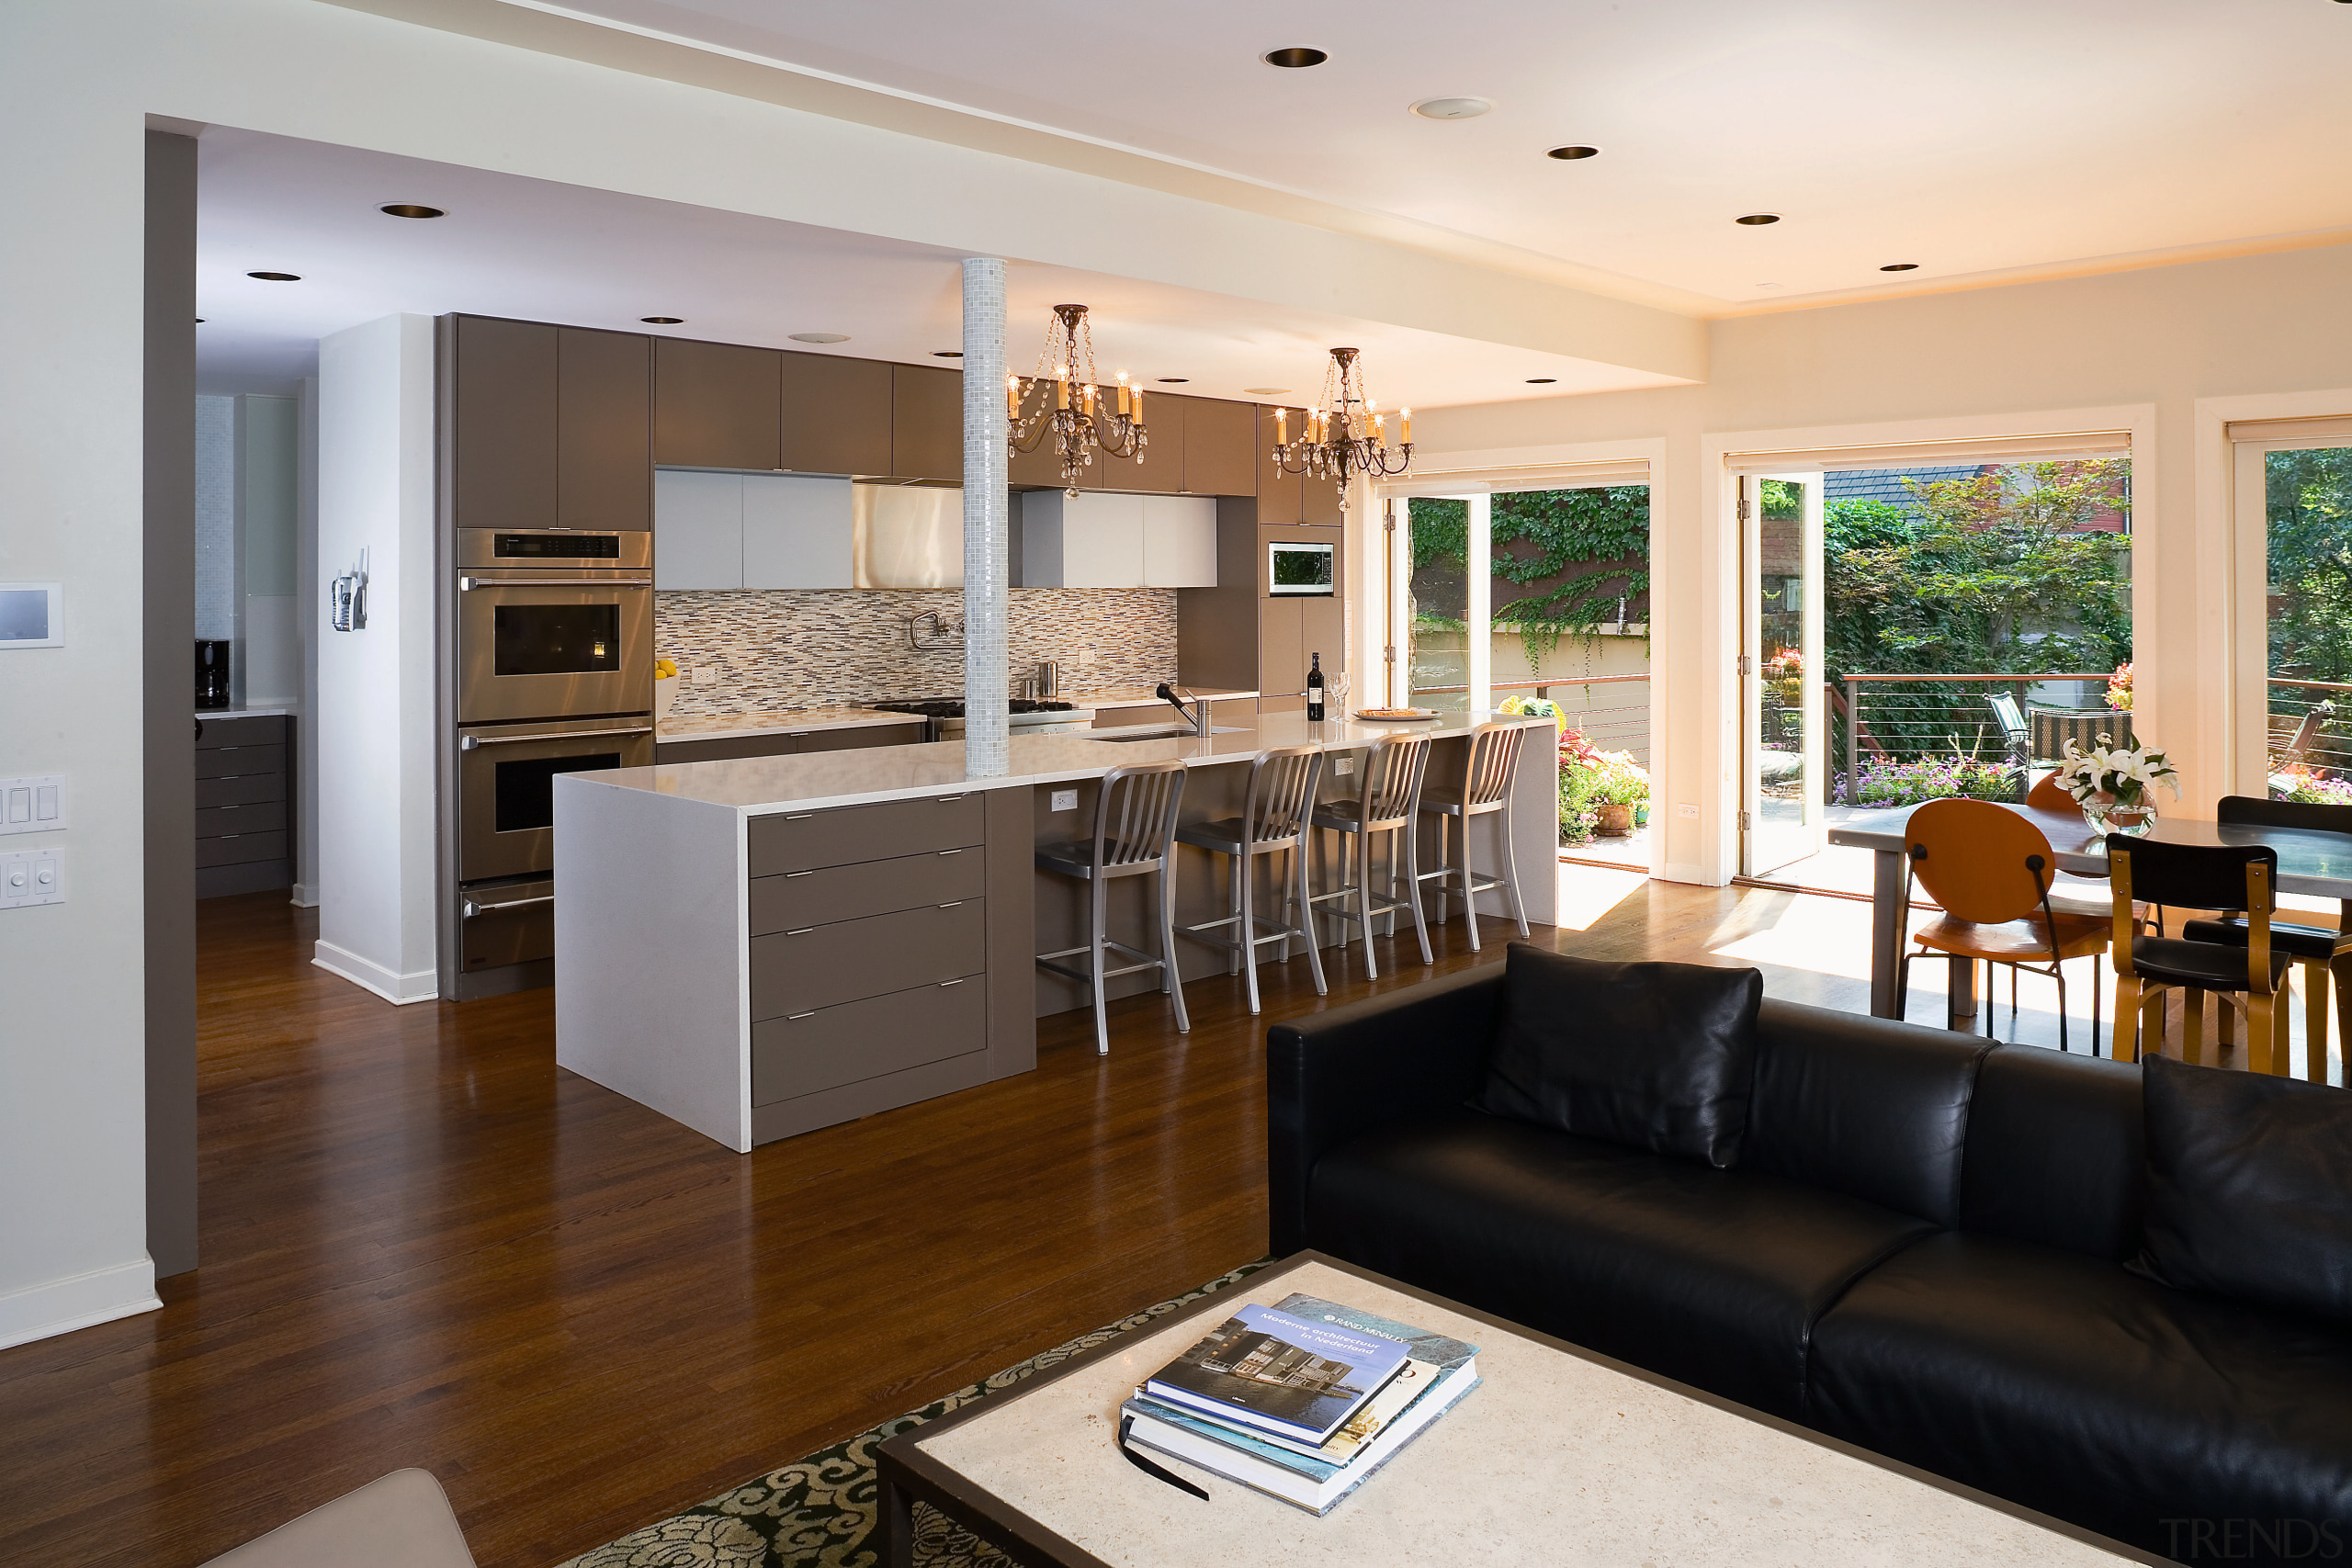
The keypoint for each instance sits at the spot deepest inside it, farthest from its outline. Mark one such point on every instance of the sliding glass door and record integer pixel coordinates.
(1784, 759)
(2297, 740)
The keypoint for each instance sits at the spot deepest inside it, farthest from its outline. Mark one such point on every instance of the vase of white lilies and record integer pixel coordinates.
(2116, 785)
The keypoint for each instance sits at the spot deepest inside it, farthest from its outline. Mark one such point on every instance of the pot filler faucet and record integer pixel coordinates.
(1199, 716)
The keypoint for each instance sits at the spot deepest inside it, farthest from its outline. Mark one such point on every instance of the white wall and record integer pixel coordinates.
(2135, 349)
(268, 513)
(375, 714)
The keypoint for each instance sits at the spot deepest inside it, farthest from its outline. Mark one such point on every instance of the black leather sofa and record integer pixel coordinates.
(1921, 1247)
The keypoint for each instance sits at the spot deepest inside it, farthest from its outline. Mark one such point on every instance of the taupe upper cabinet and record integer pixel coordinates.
(603, 430)
(717, 405)
(1282, 498)
(502, 431)
(926, 423)
(1220, 446)
(551, 426)
(1162, 469)
(836, 415)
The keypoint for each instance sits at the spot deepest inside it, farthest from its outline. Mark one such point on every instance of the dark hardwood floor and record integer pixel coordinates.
(424, 1244)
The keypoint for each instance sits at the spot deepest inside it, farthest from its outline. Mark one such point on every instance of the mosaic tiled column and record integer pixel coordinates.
(986, 595)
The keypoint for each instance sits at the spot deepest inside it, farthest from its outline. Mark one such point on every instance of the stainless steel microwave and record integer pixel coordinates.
(1295, 570)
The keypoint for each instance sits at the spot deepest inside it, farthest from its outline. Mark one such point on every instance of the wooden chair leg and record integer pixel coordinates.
(2192, 1025)
(2152, 1021)
(2315, 1021)
(2125, 1047)
(2225, 1027)
(2282, 1035)
(2260, 1011)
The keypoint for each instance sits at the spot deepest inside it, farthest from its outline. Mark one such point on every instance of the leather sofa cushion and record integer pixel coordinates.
(1656, 1056)
(2080, 1388)
(1710, 1277)
(2247, 1178)
(2054, 1152)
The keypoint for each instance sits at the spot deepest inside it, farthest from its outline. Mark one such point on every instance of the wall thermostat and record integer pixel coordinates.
(32, 615)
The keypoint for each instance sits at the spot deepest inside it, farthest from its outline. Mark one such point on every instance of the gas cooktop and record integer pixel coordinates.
(953, 707)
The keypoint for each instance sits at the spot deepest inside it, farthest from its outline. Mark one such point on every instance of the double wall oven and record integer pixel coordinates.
(553, 673)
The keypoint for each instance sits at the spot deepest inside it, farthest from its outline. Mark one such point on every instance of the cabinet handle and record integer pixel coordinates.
(468, 584)
(958, 905)
(944, 983)
(790, 874)
(799, 816)
(470, 742)
(951, 853)
(945, 798)
(804, 930)
(797, 1017)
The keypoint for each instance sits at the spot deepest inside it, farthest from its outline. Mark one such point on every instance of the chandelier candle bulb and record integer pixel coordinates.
(1081, 420)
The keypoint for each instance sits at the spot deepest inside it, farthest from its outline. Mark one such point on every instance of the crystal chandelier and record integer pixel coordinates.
(1074, 412)
(1346, 433)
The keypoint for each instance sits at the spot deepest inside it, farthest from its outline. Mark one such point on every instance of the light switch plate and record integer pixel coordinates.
(35, 803)
(1686, 810)
(32, 876)
(1065, 800)
(1344, 765)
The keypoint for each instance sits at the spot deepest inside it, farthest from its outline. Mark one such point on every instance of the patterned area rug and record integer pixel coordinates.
(817, 1512)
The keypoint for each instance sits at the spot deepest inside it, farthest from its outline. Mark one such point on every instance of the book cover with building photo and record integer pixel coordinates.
(1285, 1374)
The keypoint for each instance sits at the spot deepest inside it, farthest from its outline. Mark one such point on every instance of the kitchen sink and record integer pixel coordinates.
(1159, 732)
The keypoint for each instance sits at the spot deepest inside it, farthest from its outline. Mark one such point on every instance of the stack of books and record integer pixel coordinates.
(1302, 1400)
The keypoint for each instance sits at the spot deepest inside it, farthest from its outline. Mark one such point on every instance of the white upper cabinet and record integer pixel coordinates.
(797, 532)
(1098, 540)
(1178, 541)
(698, 529)
(724, 530)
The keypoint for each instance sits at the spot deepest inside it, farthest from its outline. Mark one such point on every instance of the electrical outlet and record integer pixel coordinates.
(702, 675)
(32, 876)
(35, 805)
(1065, 800)
(1687, 810)
(1086, 656)
(1344, 765)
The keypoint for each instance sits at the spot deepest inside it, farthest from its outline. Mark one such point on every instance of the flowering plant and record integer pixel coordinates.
(2119, 688)
(1886, 782)
(1623, 781)
(2124, 775)
(2297, 782)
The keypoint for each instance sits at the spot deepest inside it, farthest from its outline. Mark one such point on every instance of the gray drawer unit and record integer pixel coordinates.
(809, 840)
(870, 888)
(867, 1039)
(240, 849)
(242, 790)
(789, 743)
(265, 729)
(260, 816)
(822, 966)
(862, 737)
(238, 762)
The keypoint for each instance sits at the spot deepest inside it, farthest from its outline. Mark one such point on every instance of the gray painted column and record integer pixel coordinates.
(987, 598)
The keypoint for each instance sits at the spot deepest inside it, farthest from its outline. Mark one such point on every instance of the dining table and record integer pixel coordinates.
(2310, 863)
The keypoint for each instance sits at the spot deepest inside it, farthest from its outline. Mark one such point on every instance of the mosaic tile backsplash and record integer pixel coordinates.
(755, 651)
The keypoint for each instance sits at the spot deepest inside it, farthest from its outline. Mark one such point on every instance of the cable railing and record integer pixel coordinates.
(1612, 726)
(1915, 716)
(2311, 728)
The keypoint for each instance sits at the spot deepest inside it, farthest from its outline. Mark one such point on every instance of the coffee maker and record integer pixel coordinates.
(211, 674)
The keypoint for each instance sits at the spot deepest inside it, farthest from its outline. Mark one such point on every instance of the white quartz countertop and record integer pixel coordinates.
(780, 721)
(760, 785)
(248, 713)
(1143, 696)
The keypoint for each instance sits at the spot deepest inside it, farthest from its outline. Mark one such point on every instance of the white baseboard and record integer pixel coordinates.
(423, 985)
(61, 1306)
(1687, 872)
(305, 896)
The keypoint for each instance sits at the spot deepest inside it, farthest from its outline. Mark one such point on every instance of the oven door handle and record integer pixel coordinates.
(468, 742)
(470, 909)
(468, 584)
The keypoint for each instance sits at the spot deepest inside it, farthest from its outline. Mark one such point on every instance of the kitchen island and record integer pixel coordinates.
(762, 946)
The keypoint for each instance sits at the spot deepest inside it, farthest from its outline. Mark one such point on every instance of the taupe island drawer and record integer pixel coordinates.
(867, 887)
(236, 761)
(807, 840)
(243, 790)
(862, 1040)
(801, 971)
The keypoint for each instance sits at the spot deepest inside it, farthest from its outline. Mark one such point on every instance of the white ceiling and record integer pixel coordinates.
(542, 251)
(1975, 139)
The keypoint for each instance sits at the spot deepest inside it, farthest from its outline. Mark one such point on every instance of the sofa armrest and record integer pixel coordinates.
(1332, 1075)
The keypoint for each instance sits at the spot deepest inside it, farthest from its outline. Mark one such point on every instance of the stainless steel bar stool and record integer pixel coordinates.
(1135, 829)
(1274, 815)
(1486, 774)
(1390, 803)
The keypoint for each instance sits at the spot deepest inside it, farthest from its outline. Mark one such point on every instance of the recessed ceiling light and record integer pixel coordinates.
(1540, 380)
(410, 209)
(1181, 380)
(1914, 266)
(663, 320)
(277, 276)
(947, 354)
(1265, 391)
(1294, 59)
(1452, 108)
(1571, 153)
(1758, 219)
(819, 337)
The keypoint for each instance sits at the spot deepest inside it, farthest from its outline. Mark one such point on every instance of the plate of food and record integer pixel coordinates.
(1395, 716)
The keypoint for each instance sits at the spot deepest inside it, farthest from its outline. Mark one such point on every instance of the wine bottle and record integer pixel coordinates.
(1315, 689)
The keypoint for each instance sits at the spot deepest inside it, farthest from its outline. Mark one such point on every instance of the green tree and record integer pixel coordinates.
(1595, 543)
(2309, 509)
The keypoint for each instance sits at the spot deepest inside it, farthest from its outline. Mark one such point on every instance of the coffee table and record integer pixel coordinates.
(1561, 1457)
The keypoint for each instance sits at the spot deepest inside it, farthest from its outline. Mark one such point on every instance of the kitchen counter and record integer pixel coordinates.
(778, 721)
(760, 946)
(247, 713)
(1145, 697)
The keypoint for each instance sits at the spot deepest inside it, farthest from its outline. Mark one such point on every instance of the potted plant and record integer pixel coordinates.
(2116, 785)
(1622, 785)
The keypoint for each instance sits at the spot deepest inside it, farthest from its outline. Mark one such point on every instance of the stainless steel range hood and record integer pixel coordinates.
(907, 535)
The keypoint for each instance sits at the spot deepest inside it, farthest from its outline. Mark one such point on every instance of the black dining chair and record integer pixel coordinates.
(2245, 977)
(2311, 946)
